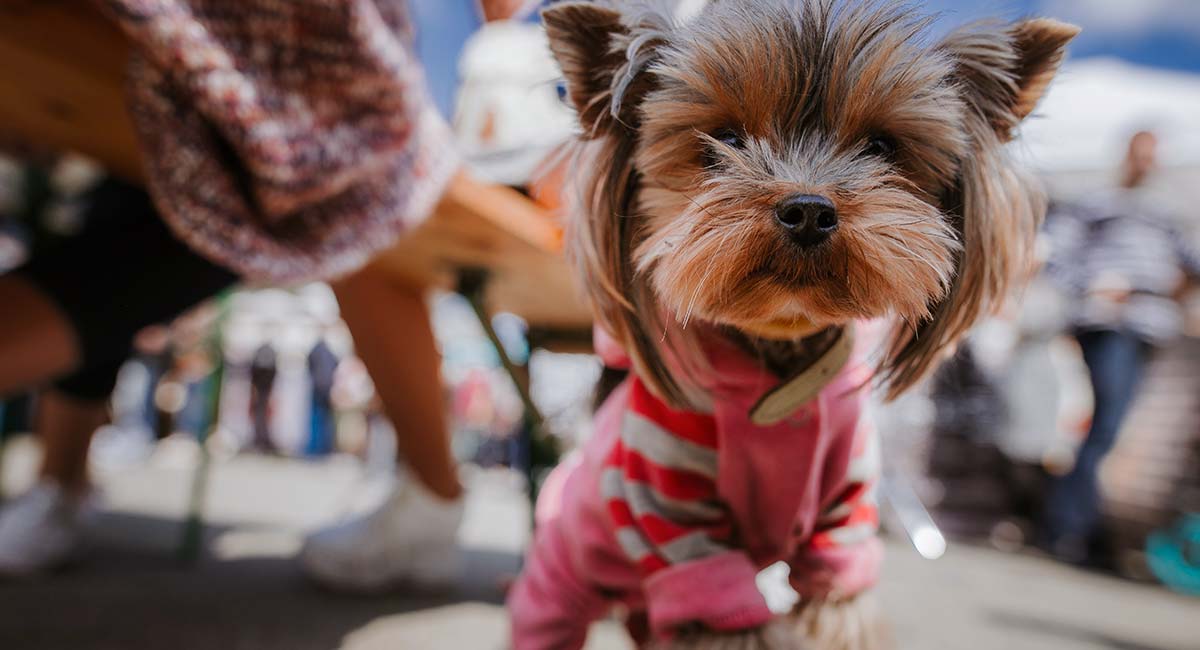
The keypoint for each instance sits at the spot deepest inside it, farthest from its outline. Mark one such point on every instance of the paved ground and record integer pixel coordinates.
(132, 594)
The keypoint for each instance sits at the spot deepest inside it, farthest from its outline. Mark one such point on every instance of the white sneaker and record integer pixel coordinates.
(410, 538)
(39, 530)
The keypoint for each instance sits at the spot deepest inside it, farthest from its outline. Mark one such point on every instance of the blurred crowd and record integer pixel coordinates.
(1029, 410)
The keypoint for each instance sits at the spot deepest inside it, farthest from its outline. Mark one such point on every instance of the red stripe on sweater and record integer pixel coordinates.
(621, 514)
(694, 427)
(651, 564)
(661, 531)
(863, 514)
(851, 494)
(677, 484)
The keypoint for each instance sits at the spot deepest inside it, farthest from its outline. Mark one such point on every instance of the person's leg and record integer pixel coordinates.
(40, 528)
(1114, 361)
(76, 308)
(37, 342)
(389, 321)
(37, 345)
(70, 316)
(409, 537)
(65, 424)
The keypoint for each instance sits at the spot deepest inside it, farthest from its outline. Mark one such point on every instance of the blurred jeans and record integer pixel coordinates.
(1115, 361)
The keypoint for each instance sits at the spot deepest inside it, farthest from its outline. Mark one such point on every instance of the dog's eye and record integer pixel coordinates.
(881, 146)
(727, 137)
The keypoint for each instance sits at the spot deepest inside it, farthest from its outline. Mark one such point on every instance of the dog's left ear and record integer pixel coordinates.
(1006, 72)
(604, 55)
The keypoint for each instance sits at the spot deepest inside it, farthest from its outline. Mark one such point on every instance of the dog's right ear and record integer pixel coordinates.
(602, 61)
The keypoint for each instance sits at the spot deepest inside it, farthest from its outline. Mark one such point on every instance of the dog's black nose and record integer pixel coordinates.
(808, 218)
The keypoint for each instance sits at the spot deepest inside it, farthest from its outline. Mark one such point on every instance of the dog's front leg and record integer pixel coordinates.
(776, 635)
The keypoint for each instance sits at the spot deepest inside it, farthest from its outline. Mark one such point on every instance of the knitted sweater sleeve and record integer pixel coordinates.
(283, 140)
(843, 555)
(659, 486)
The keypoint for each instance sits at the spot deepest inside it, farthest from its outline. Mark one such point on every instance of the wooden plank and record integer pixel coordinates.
(495, 228)
(61, 85)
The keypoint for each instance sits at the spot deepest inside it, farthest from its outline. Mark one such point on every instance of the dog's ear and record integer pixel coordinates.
(1041, 46)
(1005, 72)
(996, 208)
(603, 55)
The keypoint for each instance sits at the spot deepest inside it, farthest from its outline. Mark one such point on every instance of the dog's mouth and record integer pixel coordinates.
(781, 329)
(791, 287)
(788, 273)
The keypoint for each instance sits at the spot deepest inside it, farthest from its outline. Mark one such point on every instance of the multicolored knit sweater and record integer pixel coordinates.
(284, 140)
(673, 513)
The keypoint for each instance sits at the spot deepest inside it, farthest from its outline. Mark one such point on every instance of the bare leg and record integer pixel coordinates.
(66, 425)
(37, 344)
(389, 320)
(36, 341)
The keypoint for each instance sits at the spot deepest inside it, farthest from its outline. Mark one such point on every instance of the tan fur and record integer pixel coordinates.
(777, 635)
(673, 226)
(852, 624)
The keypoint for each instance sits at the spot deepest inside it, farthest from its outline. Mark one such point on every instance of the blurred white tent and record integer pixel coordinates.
(1079, 134)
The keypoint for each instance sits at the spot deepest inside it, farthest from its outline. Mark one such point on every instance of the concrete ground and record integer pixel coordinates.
(129, 592)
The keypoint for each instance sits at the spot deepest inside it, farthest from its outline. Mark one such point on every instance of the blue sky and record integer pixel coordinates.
(1162, 33)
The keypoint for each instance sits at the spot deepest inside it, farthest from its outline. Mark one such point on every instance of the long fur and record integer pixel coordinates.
(841, 625)
(693, 132)
(778, 635)
(936, 238)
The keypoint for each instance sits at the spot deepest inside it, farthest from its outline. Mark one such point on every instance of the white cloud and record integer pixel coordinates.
(1130, 17)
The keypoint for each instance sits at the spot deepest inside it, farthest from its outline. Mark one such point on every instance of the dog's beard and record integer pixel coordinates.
(717, 255)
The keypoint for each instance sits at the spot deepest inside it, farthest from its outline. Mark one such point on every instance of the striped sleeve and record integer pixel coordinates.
(659, 487)
(842, 557)
(1065, 234)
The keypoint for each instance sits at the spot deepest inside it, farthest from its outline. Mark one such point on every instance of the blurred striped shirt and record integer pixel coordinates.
(1118, 235)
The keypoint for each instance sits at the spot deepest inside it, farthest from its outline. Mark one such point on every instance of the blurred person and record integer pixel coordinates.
(263, 370)
(259, 176)
(1121, 260)
(322, 368)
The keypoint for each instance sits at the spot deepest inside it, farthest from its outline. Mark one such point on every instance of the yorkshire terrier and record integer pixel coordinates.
(754, 180)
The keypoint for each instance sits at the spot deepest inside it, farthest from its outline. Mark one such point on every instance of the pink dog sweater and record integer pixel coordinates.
(673, 513)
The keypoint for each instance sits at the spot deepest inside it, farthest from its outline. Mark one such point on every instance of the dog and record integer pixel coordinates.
(755, 182)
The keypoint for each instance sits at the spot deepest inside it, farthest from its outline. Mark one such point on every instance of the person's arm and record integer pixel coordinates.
(1187, 252)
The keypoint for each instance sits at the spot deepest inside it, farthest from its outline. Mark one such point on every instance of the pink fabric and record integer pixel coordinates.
(727, 599)
(777, 483)
(839, 572)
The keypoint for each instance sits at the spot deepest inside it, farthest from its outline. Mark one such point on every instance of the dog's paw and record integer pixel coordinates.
(776, 635)
(854, 624)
